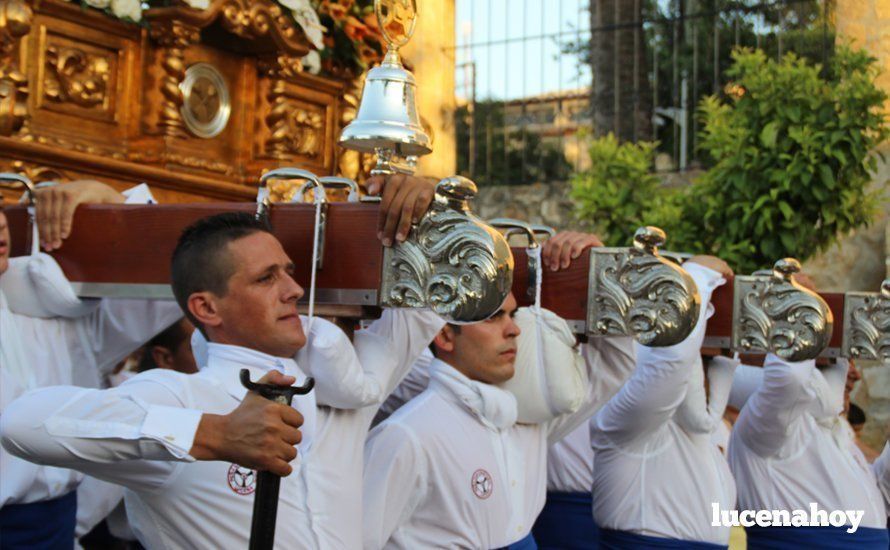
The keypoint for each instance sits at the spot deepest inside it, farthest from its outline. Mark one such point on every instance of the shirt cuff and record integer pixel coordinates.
(172, 427)
(139, 194)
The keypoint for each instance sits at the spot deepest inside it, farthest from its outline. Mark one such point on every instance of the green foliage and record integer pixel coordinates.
(791, 158)
(618, 193)
(791, 163)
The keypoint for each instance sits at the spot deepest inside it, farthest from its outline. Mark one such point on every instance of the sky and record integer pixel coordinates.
(490, 33)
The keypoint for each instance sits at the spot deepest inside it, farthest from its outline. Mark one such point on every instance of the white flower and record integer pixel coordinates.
(98, 4)
(312, 62)
(127, 8)
(307, 18)
(198, 4)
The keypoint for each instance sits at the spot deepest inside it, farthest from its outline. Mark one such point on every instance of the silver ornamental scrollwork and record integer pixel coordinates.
(773, 313)
(867, 325)
(451, 262)
(635, 292)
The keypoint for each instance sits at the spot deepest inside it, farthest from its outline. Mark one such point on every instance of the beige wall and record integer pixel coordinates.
(431, 54)
(859, 262)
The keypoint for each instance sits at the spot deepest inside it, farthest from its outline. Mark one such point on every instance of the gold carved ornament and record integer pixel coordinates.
(15, 22)
(75, 76)
(173, 36)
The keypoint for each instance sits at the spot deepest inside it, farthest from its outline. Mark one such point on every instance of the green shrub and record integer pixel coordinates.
(617, 194)
(791, 158)
(790, 166)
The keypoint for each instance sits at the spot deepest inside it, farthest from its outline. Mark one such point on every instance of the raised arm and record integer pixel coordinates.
(134, 435)
(117, 327)
(394, 482)
(784, 395)
(406, 333)
(658, 384)
(608, 363)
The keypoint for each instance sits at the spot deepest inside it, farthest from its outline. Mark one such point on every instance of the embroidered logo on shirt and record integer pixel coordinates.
(482, 484)
(241, 480)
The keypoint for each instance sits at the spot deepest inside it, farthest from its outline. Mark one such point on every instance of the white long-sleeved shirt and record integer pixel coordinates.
(72, 351)
(881, 468)
(139, 434)
(789, 447)
(652, 475)
(570, 460)
(441, 472)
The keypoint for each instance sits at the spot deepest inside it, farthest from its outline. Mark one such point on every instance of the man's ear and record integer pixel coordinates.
(162, 357)
(204, 307)
(445, 339)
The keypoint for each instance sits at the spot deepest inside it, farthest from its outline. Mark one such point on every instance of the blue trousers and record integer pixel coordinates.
(566, 523)
(46, 525)
(528, 543)
(624, 540)
(812, 538)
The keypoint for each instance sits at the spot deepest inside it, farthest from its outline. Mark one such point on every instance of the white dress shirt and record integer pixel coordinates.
(656, 471)
(570, 460)
(789, 447)
(452, 468)
(881, 468)
(138, 435)
(71, 351)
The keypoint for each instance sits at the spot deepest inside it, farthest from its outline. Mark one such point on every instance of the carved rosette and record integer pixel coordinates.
(75, 76)
(15, 22)
(773, 313)
(173, 36)
(635, 292)
(452, 262)
(867, 325)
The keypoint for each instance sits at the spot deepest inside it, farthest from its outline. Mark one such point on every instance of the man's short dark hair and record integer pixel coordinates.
(855, 415)
(201, 261)
(171, 338)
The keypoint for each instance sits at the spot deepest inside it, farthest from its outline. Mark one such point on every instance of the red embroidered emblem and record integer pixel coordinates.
(482, 484)
(241, 480)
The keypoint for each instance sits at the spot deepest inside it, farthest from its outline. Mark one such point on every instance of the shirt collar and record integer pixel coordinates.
(494, 407)
(224, 363)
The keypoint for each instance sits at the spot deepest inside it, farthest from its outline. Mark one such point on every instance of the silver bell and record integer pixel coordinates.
(387, 122)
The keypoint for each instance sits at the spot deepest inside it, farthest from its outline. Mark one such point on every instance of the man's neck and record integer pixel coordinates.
(456, 365)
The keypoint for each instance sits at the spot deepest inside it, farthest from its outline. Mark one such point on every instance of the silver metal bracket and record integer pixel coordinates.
(635, 292)
(518, 227)
(320, 198)
(867, 325)
(775, 314)
(451, 262)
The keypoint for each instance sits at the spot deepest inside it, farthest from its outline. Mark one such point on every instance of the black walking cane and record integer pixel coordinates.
(265, 500)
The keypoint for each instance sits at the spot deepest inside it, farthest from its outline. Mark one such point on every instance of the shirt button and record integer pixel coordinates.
(514, 483)
(519, 529)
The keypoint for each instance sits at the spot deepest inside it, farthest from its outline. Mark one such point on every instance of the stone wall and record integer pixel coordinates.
(859, 262)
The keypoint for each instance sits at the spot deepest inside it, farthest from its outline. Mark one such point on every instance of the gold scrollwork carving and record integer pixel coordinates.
(294, 129)
(173, 36)
(250, 19)
(76, 76)
(15, 22)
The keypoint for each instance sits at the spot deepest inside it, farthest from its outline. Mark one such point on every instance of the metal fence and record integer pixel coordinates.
(536, 79)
